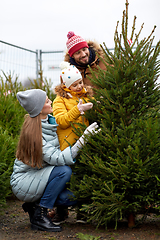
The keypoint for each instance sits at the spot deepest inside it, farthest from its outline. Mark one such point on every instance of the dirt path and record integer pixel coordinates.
(14, 224)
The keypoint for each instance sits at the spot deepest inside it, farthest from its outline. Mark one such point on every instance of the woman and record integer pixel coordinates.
(41, 170)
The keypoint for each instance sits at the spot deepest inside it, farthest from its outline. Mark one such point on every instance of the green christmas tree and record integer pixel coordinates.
(118, 171)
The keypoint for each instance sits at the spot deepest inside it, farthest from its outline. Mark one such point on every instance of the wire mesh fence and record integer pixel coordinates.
(18, 61)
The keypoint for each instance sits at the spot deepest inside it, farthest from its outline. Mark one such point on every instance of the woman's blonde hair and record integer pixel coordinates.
(29, 149)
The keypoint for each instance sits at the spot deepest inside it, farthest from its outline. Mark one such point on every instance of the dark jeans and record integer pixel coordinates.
(55, 193)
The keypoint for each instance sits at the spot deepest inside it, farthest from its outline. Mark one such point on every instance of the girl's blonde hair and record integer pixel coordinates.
(29, 149)
(60, 91)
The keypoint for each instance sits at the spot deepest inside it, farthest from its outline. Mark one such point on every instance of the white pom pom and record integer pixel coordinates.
(64, 65)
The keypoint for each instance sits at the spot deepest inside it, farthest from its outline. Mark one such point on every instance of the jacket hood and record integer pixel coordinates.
(92, 44)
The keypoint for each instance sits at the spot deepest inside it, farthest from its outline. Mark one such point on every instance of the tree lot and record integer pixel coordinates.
(117, 173)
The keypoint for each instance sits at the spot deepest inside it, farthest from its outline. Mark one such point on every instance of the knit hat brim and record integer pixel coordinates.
(77, 47)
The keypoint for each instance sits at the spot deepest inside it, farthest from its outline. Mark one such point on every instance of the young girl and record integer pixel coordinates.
(70, 104)
(41, 170)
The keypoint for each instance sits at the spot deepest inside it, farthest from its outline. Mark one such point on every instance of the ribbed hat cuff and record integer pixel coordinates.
(77, 47)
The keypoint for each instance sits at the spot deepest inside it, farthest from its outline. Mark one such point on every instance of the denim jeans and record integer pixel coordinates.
(55, 193)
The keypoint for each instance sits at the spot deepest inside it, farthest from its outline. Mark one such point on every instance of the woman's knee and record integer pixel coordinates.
(64, 172)
(67, 171)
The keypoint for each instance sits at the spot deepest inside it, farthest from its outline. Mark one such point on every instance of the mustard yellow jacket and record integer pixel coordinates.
(66, 111)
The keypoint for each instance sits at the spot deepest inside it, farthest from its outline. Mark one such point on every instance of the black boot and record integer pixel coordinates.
(30, 208)
(41, 221)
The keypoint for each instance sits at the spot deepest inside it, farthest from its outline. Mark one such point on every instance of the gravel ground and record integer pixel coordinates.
(14, 224)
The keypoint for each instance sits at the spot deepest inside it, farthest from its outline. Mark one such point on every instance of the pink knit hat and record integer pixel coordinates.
(75, 43)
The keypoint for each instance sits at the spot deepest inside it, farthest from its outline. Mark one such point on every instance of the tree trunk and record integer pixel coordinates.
(131, 220)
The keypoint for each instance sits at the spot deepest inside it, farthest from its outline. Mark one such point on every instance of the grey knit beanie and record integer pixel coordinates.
(32, 101)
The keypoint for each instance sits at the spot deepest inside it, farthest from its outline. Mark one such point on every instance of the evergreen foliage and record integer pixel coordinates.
(10, 108)
(117, 172)
(7, 153)
(11, 119)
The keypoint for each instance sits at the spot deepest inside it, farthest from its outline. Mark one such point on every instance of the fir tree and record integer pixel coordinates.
(117, 173)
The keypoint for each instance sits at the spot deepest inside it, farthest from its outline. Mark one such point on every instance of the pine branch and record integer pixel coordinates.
(133, 28)
(126, 22)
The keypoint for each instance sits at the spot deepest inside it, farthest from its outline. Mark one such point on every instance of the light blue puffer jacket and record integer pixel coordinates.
(28, 184)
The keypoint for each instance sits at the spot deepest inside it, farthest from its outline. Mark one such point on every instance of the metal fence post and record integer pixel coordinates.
(40, 57)
(40, 64)
(36, 64)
